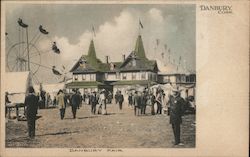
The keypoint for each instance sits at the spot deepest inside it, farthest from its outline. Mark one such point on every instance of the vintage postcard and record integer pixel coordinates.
(124, 78)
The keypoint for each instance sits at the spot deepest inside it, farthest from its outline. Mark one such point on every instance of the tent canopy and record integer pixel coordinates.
(16, 84)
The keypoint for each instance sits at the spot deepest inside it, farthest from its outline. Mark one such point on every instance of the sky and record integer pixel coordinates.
(116, 30)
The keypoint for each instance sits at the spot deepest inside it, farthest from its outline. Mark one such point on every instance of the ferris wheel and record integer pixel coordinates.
(24, 54)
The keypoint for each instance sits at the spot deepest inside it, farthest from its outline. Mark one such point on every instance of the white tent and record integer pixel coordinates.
(16, 84)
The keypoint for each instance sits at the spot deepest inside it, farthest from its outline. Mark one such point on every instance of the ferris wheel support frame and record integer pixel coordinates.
(27, 41)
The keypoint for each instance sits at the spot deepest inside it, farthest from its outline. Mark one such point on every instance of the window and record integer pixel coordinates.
(150, 76)
(143, 75)
(192, 79)
(183, 78)
(166, 79)
(124, 76)
(106, 75)
(133, 62)
(83, 77)
(76, 77)
(92, 77)
(133, 76)
(154, 77)
(117, 75)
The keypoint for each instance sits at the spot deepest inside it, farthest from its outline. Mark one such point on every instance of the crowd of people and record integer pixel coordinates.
(137, 100)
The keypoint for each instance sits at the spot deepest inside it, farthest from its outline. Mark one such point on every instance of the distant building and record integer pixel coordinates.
(90, 74)
(136, 69)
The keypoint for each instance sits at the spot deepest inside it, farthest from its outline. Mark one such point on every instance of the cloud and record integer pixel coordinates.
(118, 36)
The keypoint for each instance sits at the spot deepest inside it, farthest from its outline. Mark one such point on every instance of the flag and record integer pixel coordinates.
(157, 42)
(93, 31)
(165, 46)
(180, 60)
(140, 24)
(162, 55)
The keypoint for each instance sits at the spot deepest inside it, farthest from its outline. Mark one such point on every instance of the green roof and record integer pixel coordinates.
(139, 48)
(91, 52)
(83, 84)
(134, 82)
(93, 62)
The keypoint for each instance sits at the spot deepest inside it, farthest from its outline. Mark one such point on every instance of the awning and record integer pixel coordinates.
(134, 82)
(84, 84)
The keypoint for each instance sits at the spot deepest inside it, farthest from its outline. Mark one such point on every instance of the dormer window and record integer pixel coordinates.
(111, 66)
(83, 62)
(133, 56)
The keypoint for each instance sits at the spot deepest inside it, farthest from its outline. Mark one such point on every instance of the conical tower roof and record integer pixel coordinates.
(91, 52)
(139, 48)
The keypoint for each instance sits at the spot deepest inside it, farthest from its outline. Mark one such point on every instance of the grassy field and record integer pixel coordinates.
(118, 129)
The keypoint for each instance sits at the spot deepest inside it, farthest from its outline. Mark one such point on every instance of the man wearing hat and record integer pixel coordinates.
(61, 101)
(177, 104)
(137, 103)
(31, 101)
(120, 99)
(75, 102)
(7, 101)
(102, 102)
(94, 101)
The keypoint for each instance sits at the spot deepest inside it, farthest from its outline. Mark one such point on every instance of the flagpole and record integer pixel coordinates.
(139, 33)
(92, 33)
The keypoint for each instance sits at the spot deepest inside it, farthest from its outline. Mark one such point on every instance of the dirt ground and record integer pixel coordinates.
(118, 129)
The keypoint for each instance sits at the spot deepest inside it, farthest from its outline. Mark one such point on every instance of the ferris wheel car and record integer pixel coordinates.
(42, 30)
(55, 48)
(20, 22)
(55, 71)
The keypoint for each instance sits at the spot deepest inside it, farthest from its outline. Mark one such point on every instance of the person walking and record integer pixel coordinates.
(31, 101)
(102, 102)
(177, 108)
(94, 100)
(152, 99)
(61, 101)
(120, 99)
(159, 101)
(143, 102)
(75, 102)
(130, 100)
(137, 103)
(116, 97)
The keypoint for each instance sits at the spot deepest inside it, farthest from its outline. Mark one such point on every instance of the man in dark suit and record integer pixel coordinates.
(120, 99)
(7, 101)
(75, 102)
(177, 108)
(137, 103)
(31, 101)
(94, 100)
(143, 102)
